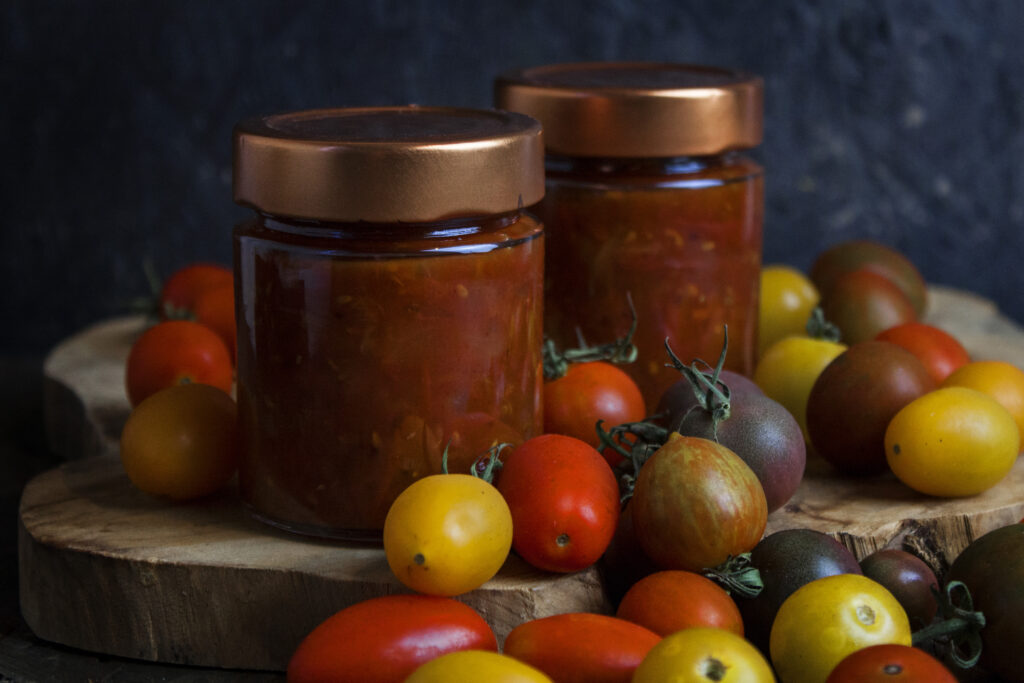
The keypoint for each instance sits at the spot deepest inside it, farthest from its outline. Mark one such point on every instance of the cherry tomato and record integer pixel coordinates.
(876, 257)
(183, 288)
(474, 666)
(700, 655)
(952, 442)
(992, 568)
(890, 663)
(564, 501)
(788, 369)
(447, 534)
(581, 647)
(827, 619)
(938, 351)
(1000, 380)
(862, 303)
(384, 639)
(589, 392)
(176, 352)
(854, 398)
(181, 442)
(787, 299)
(908, 578)
(671, 600)
(215, 308)
(695, 504)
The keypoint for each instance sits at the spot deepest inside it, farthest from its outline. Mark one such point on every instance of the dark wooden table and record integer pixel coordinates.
(23, 657)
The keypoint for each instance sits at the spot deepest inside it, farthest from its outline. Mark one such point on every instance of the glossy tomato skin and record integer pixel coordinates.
(671, 600)
(564, 501)
(695, 504)
(1001, 380)
(177, 352)
(589, 392)
(787, 298)
(475, 666)
(704, 655)
(855, 397)
(581, 647)
(940, 352)
(890, 663)
(787, 560)
(863, 303)
(181, 442)
(992, 567)
(447, 534)
(827, 619)
(908, 578)
(182, 289)
(384, 639)
(764, 435)
(876, 257)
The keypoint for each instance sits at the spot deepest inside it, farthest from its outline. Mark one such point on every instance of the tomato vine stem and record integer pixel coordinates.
(960, 622)
(556, 363)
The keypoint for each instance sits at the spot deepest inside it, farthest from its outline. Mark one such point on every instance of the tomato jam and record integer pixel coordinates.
(649, 194)
(371, 337)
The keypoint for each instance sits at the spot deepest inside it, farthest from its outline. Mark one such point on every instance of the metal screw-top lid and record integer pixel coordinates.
(388, 164)
(637, 109)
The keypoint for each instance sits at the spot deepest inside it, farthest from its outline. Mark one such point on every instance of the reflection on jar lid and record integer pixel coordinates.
(637, 109)
(388, 164)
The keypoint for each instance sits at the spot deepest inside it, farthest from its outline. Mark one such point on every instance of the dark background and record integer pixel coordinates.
(900, 121)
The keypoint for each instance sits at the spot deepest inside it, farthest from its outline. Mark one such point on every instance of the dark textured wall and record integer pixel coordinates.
(902, 121)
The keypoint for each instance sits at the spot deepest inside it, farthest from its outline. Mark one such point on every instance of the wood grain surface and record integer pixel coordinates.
(109, 569)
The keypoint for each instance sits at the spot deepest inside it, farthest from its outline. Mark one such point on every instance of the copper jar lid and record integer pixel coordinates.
(637, 109)
(388, 164)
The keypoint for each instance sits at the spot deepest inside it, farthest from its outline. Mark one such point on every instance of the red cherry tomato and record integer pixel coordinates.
(183, 288)
(215, 308)
(673, 599)
(177, 352)
(589, 392)
(938, 351)
(581, 647)
(890, 663)
(564, 502)
(383, 640)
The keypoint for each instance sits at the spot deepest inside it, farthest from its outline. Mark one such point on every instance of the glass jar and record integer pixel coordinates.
(649, 194)
(390, 297)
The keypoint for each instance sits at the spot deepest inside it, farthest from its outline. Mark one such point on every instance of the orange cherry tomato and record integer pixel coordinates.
(177, 352)
(215, 308)
(182, 289)
(1001, 380)
(581, 647)
(671, 600)
(890, 663)
(384, 639)
(938, 351)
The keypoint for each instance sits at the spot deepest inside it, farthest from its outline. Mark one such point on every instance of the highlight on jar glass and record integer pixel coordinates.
(390, 295)
(649, 192)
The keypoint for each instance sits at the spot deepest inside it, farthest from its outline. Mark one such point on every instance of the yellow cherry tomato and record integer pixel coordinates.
(1002, 381)
(787, 299)
(825, 620)
(473, 666)
(701, 654)
(787, 371)
(181, 442)
(953, 441)
(447, 534)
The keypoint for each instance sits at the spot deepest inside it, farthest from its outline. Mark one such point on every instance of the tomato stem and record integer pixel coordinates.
(737, 575)
(712, 394)
(556, 363)
(487, 465)
(820, 328)
(961, 623)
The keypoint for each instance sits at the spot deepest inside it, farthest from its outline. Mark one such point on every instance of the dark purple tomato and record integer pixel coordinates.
(909, 579)
(764, 434)
(855, 397)
(863, 303)
(992, 567)
(788, 560)
(680, 397)
(879, 258)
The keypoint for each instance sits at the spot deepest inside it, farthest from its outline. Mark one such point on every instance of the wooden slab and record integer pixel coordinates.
(107, 568)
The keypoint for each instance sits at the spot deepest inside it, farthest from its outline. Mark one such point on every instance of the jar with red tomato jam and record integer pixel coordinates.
(391, 286)
(649, 193)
